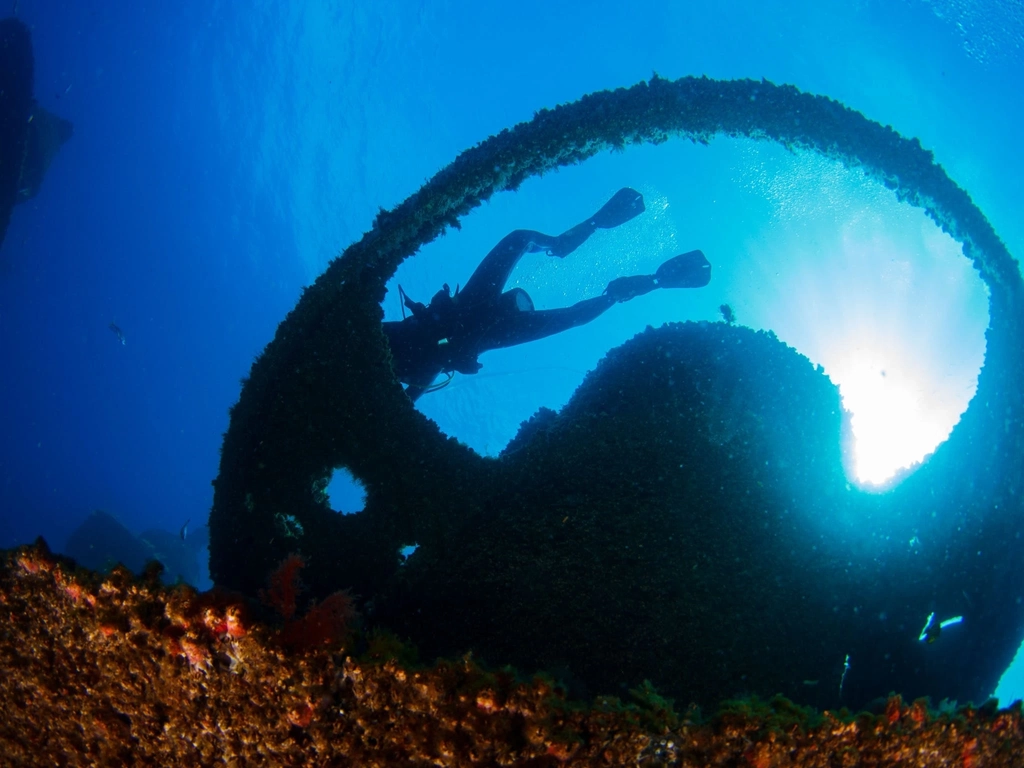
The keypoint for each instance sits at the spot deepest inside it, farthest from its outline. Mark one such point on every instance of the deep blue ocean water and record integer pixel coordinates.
(223, 155)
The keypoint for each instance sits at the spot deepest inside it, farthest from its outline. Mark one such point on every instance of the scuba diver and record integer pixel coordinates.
(30, 136)
(449, 334)
(118, 332)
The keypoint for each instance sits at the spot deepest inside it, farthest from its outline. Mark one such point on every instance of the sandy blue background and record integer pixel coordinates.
(223, 154)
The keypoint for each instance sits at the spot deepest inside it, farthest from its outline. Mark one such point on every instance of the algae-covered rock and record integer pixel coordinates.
(660, 527)
(120, 671)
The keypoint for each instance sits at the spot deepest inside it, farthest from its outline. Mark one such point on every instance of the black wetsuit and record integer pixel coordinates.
(452, 331)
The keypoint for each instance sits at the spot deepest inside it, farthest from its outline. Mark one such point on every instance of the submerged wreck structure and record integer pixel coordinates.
(684, 522)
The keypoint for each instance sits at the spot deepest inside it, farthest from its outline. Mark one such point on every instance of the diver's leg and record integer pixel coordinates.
(488, 280)
(522, 327)
(626, 288)
(571, 239)
(511, 328)
(625, 204)
(687, 270)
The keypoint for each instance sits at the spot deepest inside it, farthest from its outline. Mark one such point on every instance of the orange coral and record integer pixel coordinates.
(233, 622)
(301, 716)
(284, 586)
(324, 623)
(197, 654)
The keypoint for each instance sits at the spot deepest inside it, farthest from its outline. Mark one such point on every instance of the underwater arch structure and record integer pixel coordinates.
(322, 394)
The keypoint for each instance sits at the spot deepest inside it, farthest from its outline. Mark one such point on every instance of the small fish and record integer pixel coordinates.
(933, 629)
(118, 332)
(727, 314)
(184, 529)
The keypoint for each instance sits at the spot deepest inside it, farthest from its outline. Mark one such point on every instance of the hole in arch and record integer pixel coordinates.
(859, 282)
(345, 494)
(405, 552)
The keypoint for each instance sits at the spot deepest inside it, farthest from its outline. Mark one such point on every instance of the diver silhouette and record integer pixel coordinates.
(449, 334)
(30, 136)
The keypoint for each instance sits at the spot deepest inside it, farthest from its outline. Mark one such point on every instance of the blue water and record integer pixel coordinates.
(223, 156)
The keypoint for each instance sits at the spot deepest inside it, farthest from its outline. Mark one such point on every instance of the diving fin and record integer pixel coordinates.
(688, 270)
(625, 204)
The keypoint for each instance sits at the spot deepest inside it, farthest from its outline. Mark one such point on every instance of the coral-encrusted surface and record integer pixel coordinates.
(126, 672)
(323, 395)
